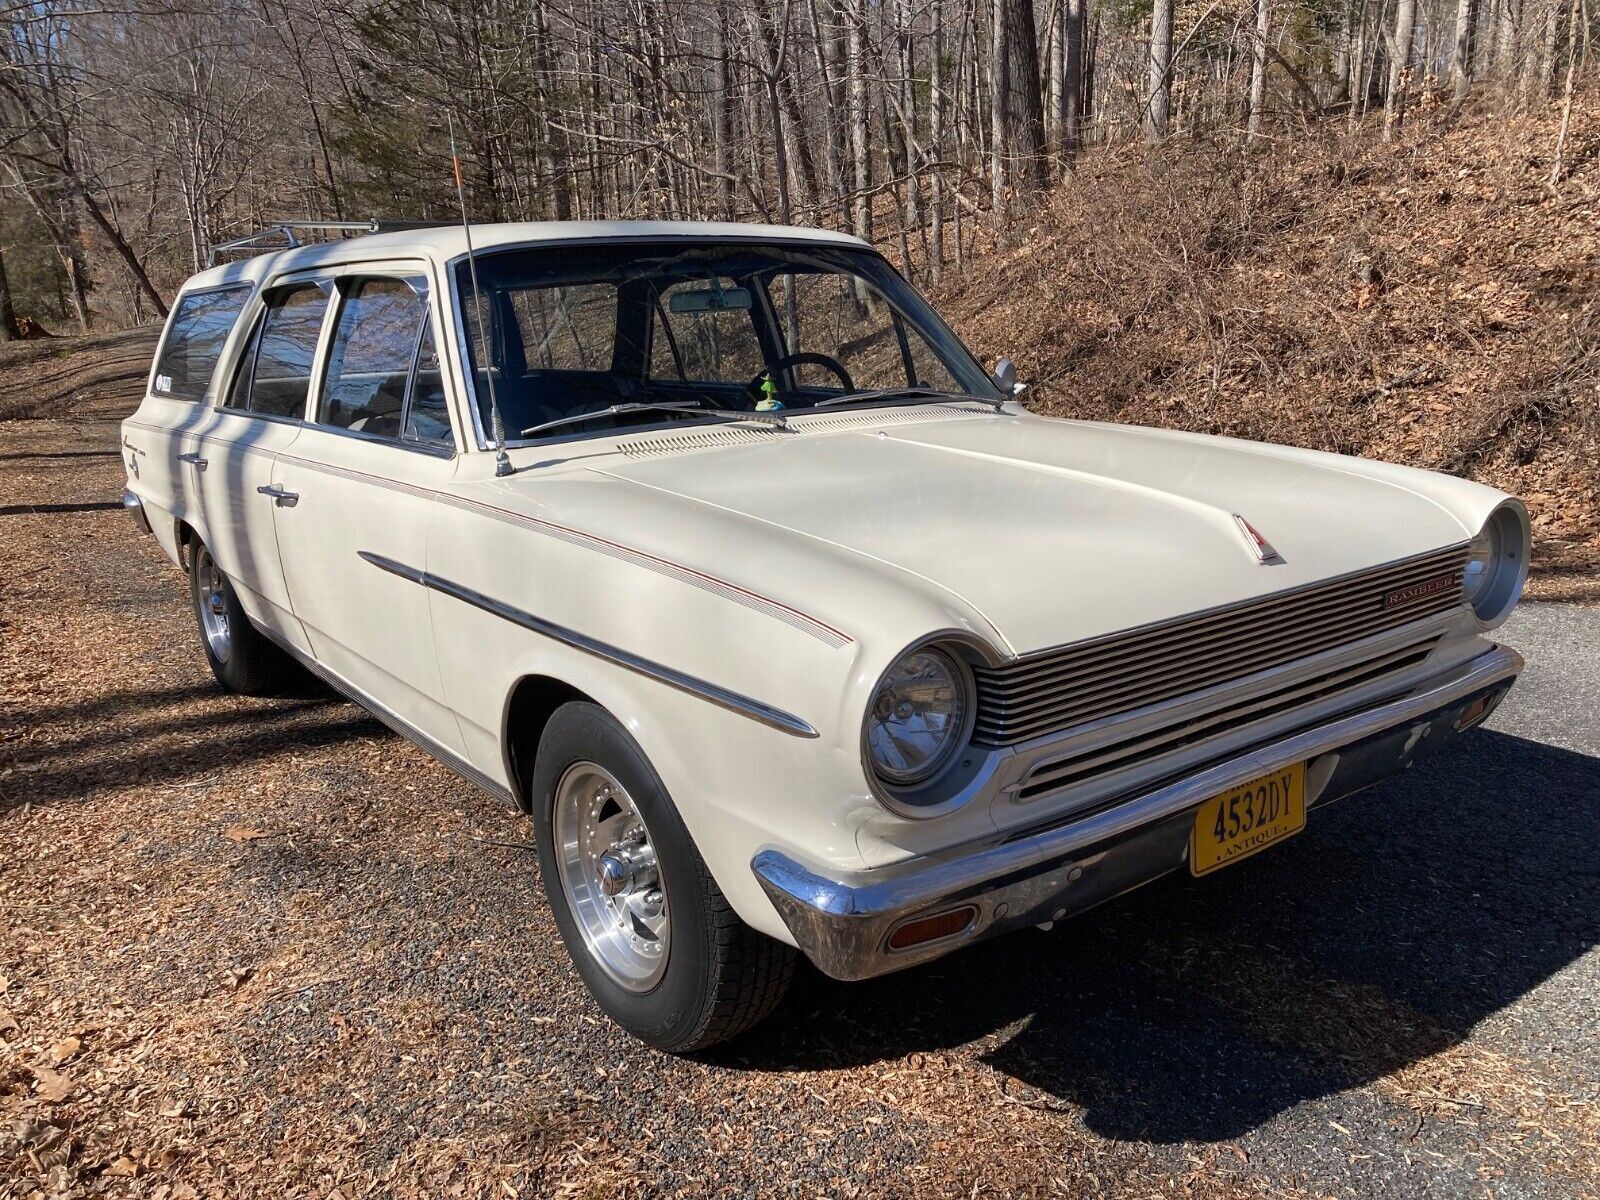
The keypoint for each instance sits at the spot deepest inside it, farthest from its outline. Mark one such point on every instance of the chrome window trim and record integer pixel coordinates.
(745, 706)
(377, 439)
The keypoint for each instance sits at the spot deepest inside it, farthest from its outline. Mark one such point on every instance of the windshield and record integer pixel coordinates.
(582, 329)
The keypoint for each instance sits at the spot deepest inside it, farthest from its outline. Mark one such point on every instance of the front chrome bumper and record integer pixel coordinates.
(1055, 871)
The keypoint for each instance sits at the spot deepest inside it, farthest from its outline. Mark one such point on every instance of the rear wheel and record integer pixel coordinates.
(241, 657)
(647, 927)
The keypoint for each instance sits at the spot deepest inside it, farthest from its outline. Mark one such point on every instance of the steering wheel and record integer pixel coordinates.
(795, 360)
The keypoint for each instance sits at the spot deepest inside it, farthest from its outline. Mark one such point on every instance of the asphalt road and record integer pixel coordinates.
(298, 958)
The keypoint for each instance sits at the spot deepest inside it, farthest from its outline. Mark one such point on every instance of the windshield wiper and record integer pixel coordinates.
(904, 393)
(634, 406)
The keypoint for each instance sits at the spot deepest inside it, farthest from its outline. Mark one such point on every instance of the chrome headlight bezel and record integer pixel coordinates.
(1497, 564)
(943, 786)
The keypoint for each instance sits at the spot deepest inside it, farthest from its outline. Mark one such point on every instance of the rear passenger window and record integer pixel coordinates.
(276, 375)
(196, 333)
(369, 366)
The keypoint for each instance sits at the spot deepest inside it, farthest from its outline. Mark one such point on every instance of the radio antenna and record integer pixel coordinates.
(502, 461)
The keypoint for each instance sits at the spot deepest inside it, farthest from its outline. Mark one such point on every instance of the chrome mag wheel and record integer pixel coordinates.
(609, 876)
(213, 604)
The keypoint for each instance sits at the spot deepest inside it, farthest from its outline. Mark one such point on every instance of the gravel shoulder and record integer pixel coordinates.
(265, 948)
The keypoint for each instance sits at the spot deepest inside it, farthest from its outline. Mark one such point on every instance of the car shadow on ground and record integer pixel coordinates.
(1197, 1010)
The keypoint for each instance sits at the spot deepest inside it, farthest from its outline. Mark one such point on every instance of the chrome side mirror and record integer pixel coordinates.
(1005, 375)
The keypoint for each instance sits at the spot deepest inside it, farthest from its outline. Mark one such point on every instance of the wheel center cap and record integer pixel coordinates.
(614, 873)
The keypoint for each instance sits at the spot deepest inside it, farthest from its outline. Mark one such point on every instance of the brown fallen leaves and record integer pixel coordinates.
(64, 1050)
(53, 1087)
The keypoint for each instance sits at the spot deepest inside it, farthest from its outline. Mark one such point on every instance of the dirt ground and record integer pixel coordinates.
(265, 948)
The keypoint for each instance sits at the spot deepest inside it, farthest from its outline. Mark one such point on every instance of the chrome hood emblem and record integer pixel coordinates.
(1259, 546)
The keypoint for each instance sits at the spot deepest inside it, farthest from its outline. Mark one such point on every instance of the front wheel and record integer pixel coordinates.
(647, 927)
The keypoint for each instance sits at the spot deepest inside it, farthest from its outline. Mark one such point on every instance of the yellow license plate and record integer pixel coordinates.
(1248, 818)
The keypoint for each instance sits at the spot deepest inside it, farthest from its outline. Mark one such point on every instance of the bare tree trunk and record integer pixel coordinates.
(1461, 49)
(824, 48)
(1158, 108)
(1340, 72)
(1575, 7)
(860, 151)
(1072, 81)
(79, 290)
(1505, 37)
(722, 111)
(1055, 108)
(1394, 105)
(908, 112)
(8, 312)
(1359, 79)
(1258, 68)
(1022, 108)
(997, 115)
(936, 106)
(1541, 28)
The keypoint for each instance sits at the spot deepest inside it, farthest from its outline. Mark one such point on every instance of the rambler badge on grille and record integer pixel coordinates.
(1418, 591)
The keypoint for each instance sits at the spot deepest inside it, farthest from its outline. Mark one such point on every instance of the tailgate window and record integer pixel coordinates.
(199, 328)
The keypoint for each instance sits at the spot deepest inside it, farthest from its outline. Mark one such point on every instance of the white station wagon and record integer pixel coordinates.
(714, 549)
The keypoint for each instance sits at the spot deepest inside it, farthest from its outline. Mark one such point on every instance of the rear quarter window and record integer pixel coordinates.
(196, 333)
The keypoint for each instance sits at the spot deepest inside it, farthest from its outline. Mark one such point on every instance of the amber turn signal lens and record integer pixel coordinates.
(1473, 713)
(931, 929)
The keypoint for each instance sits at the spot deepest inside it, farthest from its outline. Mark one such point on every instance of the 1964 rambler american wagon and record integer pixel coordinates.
(790, 626)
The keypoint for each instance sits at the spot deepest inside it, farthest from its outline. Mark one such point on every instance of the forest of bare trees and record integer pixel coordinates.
(134, 135)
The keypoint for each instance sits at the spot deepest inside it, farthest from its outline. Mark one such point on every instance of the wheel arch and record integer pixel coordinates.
(183, 534)
(530, 704)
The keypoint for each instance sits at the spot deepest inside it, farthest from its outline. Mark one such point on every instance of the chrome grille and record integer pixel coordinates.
(1060, 689)
(1102, 759)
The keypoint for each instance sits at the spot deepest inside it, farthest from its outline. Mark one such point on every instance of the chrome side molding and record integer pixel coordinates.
(745, 706)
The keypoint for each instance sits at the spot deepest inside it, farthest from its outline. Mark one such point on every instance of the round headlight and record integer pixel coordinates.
(917, 719)
(1497, 564)
(1482, 554)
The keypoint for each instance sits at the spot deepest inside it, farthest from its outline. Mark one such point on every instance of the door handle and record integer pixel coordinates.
(280, 497)
(194, 460)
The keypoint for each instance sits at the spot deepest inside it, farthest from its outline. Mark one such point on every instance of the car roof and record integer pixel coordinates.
(445, 242)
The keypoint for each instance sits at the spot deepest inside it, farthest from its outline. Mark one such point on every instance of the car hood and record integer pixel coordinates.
(1054, 531)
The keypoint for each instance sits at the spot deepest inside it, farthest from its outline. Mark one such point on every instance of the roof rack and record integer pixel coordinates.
(280, 235)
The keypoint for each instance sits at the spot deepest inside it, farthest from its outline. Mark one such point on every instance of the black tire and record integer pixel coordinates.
(721, 977)
(249, 663)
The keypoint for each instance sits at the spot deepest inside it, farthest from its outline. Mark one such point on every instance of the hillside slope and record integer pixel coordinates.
(1434, 303)
(66, 376)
